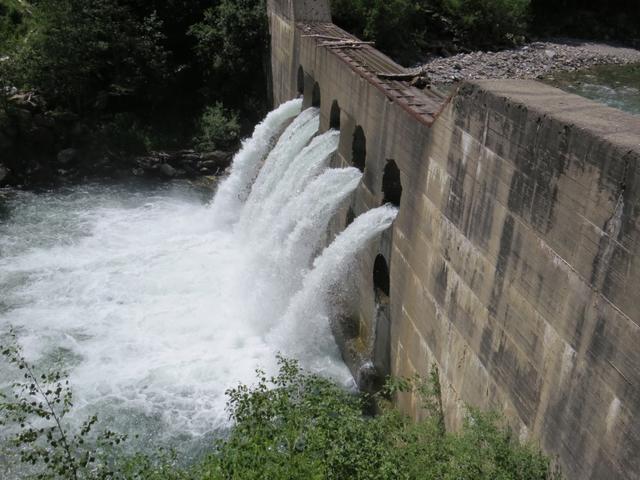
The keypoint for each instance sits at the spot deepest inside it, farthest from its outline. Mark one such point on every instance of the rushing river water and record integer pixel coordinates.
(617, 86)
(157, 301)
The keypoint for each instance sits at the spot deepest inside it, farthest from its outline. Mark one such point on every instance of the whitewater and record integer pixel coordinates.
(156, 301)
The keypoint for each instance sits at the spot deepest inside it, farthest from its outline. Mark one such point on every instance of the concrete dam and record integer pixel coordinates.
(514, 262)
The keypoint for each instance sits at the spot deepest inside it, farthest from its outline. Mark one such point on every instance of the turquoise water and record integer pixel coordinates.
(614, 85)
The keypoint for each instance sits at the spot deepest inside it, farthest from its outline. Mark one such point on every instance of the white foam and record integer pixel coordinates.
(158, 304)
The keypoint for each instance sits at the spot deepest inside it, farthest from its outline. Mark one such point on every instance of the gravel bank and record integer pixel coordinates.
(534, 60)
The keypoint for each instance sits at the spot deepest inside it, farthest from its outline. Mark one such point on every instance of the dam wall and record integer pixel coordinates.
(514, 262)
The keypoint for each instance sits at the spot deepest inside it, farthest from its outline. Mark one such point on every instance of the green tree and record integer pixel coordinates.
(293, 425)
(217, 130)
(86, 55)
(232, 45)
(409, 30)
(14, 21)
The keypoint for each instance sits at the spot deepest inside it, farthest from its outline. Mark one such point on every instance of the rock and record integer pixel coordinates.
(147, 162)
(208, 164)
(23, 118)
(187, 151)
(421, 82)
(64, 117)
(218, 155)
(43, 138)
(217, 159)
(5, 141)
(11, 130)
(189, 158)
(167, 170)
(67, 156)
(28, 101)
(42, 120)
(4, 173)
(80, 131)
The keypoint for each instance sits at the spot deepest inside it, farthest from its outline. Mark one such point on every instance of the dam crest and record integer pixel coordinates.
(514, 261)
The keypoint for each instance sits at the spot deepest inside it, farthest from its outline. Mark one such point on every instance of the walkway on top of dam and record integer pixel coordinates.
(376, 68)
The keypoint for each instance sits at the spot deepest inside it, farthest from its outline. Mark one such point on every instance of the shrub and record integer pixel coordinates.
(232, 46)
(13, 24)
(85, 53)
(293, 425)
(613, 19)
(408, 30)
(399, 27)
(487, 23)
(217, 129)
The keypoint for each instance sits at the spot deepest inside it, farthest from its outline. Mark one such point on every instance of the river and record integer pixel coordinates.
(156, 298)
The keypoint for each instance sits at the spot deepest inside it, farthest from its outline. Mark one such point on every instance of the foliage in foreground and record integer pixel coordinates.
(291, 426)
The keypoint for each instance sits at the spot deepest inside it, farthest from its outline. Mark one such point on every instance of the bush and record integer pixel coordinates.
(408, 30)
(400, 28)
(487, 23)
(217, 130)
(85, 54)
(232, 46)
(291, 426)
(613, 19)
(13, 24)
(158, 60)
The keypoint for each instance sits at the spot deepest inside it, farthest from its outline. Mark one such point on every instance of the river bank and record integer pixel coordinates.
(533, 60)
(40, 146)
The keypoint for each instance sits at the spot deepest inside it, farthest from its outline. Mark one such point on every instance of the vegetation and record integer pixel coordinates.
(154, 66)
(291, 426)
(13, 22)
(156, 74)
(410, 30)
(217, 129)
(611, 20)
(113, 80)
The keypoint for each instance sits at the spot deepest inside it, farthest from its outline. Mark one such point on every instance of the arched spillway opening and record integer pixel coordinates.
(300, 81)
(316, 98)
(382, 340)
(391, 184)
(381, 280)
(334, 116)
(359, 149)
(350, 217)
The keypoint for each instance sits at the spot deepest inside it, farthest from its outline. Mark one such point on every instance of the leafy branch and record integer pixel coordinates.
(36, 407)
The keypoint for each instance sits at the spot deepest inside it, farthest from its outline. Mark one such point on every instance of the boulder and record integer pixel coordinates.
(43, 120)
(44, 138)
(23, 118)
(5, 142)
(4, 173)
(67, 156)
(63, 117)
(147, 162)
(167, 170)
(216, 159)
(28, 101)
(190, 158)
